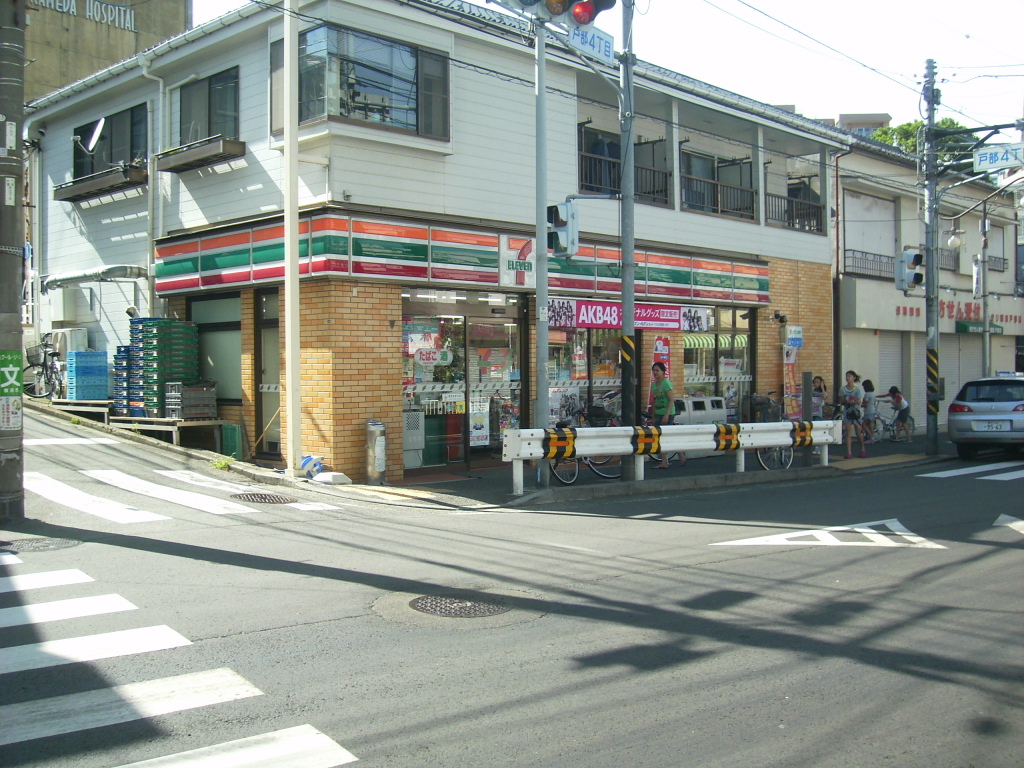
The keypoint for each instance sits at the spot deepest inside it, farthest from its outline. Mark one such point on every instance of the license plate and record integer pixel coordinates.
(991, 426)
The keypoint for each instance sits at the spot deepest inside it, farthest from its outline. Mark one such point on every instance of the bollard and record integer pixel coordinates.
(376, 452)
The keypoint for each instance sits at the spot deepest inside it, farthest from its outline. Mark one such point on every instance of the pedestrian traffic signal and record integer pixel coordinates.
(907, 272)
(563, 229)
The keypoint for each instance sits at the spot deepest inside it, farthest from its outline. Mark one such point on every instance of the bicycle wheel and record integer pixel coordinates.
(775, 458)
(565, 470)
(604, 467)
(911, 425)
(34, 381)
(877, 427)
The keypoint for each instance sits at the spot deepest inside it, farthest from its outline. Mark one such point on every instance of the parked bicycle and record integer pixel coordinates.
(764, 408)
(41, 377)
(887, 426)
(647, 420)
(566, 471)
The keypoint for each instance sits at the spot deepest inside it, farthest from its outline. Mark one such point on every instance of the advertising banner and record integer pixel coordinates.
(791, 384)
(589, 313)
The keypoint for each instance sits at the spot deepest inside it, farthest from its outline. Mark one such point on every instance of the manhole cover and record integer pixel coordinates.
(458, 607)
(37, 545)
(264, 498)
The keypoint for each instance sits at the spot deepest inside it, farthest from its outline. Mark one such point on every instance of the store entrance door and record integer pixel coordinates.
(461, 388)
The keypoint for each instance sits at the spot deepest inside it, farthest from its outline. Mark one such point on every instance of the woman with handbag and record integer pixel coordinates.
(851, 397)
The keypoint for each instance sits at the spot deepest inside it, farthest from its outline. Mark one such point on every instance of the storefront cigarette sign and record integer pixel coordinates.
(432, 357)
(10, 389)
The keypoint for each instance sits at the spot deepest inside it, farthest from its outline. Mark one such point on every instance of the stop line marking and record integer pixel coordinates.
(974, 469)
(1011, 522)
(892, 534)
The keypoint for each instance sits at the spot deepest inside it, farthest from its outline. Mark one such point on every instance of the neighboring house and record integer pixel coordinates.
(881, 332)
(416, 186)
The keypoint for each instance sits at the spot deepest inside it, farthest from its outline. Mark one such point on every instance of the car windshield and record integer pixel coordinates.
(992, 392)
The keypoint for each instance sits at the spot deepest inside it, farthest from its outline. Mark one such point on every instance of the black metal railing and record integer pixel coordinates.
(871, 264)
(949, 259)
(795, 214)
(699, 194)
(603, 175)
(996, 264)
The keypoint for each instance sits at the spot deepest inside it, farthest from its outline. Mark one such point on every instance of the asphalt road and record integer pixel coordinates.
(866, 620)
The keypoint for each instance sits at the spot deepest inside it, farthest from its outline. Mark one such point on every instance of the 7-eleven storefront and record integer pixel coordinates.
(429, 329)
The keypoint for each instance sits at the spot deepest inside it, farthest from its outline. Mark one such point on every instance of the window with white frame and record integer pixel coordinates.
(209, 107)
(370, 79)
(109, 142)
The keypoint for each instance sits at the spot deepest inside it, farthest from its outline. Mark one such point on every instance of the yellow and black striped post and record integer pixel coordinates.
(802, 433)
(559, 443)
(727, 437)
(646, 440)
(933, 381)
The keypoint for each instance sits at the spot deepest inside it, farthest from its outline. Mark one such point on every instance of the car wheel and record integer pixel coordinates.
(966, 452)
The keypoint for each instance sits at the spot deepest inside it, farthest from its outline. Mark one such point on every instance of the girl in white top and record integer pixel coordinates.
(851, 396)
(870, 412)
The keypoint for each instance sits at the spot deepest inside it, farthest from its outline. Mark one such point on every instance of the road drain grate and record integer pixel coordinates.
(37, 545)
(264, 498)
(458, 607)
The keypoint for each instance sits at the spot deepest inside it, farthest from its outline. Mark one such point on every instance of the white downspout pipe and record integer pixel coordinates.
(154, 113)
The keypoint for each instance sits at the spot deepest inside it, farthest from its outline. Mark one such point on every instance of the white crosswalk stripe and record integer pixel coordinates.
(109, 645)
(28, 581)
(190, 499)
(217, 484)
(121, 704)
(69, 496)
(974, 469)
(303, 747)
(6, 558)
(58, 610)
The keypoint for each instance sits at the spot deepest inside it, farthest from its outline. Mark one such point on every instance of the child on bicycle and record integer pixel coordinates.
(901, 406)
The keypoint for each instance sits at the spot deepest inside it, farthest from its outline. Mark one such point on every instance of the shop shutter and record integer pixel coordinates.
(890, 361)
(918, 396)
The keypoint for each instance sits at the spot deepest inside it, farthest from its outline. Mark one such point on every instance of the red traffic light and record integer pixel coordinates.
(584, 12)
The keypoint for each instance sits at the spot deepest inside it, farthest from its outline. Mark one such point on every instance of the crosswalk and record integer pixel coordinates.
(102, 506)
(982, 471)
(302, 746)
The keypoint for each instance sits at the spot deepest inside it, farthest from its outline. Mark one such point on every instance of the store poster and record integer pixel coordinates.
(587, 313)
(479, 421)
(791, 384)
(662, 349)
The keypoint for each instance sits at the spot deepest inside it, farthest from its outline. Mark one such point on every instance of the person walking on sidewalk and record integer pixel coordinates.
(664, 403)
(851, 397)
(901, 405)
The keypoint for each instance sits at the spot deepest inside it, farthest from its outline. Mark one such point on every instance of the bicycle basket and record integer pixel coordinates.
(35, 355)
(598, 416)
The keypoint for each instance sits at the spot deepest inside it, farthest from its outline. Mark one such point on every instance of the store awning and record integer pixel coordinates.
(707, 340)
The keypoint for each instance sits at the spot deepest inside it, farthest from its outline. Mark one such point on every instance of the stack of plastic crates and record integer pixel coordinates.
(161, 351)
(122, 373)
(87, 375)
(190, 401)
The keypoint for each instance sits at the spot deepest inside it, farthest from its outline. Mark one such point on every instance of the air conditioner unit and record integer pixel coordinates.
(70, 340)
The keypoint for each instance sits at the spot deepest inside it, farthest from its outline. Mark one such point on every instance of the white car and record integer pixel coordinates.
(987, 413)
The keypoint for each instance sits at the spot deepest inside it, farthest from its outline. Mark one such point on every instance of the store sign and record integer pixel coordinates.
(587, 313)
(10, 389)
(120, 16)
(517, 263)
(432, 357)
(795, 336)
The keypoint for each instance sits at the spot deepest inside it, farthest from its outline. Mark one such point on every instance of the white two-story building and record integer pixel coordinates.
(157, 183)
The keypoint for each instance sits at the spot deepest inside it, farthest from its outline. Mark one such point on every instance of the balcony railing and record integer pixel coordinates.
(795, 214)
(603, 175)
(949, 259)
(871, 264)
(699, 194)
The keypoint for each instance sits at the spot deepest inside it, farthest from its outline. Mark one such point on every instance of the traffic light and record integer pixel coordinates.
(563, 229)
(907, 275)
(584, 12)
(573, 13)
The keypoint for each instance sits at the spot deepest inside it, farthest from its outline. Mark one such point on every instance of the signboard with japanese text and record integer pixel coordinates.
(589, 313)
(997, 156)
(10, 389)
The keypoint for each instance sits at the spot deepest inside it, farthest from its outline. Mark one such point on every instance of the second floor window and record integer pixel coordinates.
(117, 140)
(209, 107)
(362, 77)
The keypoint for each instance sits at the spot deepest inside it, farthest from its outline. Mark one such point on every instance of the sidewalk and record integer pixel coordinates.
(492, 487)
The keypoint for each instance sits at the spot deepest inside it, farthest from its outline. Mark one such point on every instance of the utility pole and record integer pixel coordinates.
(627, 187)
(931, 262)
(541, 415)
(12, 258)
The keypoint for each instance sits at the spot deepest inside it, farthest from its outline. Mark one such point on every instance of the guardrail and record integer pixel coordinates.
(522, 445)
